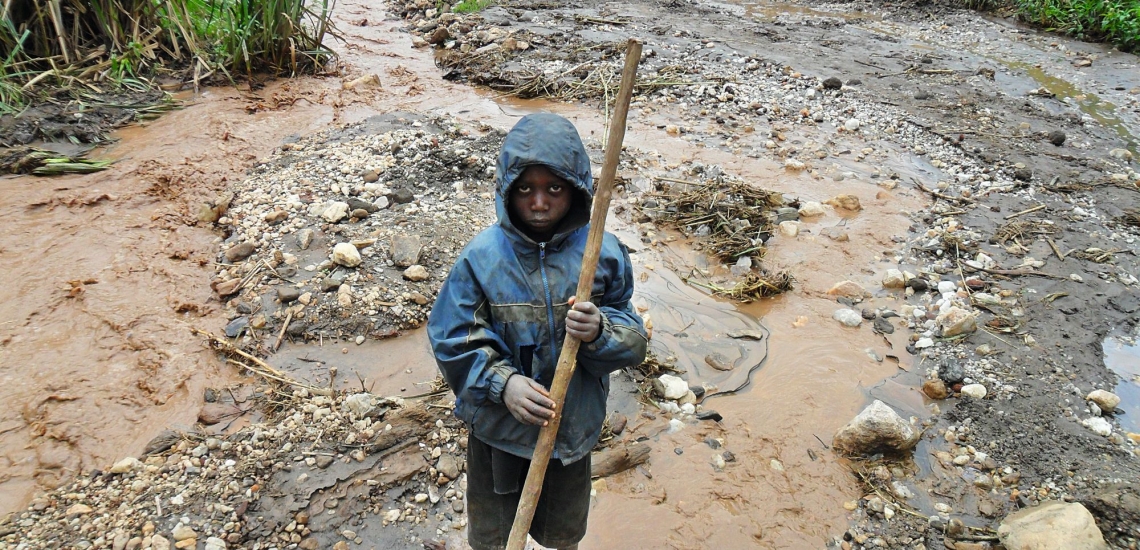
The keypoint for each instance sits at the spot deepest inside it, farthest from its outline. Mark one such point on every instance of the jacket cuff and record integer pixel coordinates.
(499, 375)
(604, 332)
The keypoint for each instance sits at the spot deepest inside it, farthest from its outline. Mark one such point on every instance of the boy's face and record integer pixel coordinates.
(539, 200)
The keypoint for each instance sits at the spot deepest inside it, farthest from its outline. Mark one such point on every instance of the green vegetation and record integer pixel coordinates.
(472, 6)
(1115, 21)
(92, 43)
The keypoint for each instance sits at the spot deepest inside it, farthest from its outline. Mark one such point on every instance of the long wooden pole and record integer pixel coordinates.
(567, 361)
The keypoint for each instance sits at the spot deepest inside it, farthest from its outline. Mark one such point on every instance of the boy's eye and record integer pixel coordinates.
(555, 188)
(522, 188)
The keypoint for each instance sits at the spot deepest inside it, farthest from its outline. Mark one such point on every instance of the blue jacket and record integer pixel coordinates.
(502, 309)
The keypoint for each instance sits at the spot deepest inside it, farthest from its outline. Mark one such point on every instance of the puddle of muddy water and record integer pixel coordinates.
(1122, 356)
(1089, 103)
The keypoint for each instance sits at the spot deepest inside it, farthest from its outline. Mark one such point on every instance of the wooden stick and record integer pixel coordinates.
(284, 327)
(1026, 211)
(567, 361)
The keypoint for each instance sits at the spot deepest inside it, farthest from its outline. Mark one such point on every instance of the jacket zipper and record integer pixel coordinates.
(549, 300)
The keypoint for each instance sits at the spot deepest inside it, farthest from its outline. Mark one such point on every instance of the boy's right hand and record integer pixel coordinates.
(528, 401)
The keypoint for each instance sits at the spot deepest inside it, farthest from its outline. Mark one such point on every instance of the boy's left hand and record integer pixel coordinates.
(583, 321)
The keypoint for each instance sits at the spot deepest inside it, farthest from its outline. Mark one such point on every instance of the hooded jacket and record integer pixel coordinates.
(502, 309)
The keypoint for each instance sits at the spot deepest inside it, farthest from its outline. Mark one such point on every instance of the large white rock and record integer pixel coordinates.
(877, 428)
(1106, 400)
(894, 279)
(346, 254)
(1053, 525)
(130, 463)
(977, 391)
(812, 208)
(361, 404)
(847, 317)
(957, 321)
(335, 211)
(1098, 426)
(670, 387)
(789, 229)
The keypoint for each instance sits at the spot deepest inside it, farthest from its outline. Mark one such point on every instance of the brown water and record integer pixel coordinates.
(92, 377)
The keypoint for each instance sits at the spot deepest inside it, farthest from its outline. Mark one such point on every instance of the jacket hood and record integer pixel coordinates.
(549, 140)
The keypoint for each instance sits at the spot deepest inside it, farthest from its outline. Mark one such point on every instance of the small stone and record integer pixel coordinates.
(883, 325)
(1053, 524)
(811, 208)
(950, 371)
(1057, 137)
(848, 317)
(369, 176)
(876, 428)
(956, 321)
(848, 289)
(215, 543)
(1121, 154)
(340, 545)
(977, 391)
(324, 461)
(240, 252)
(402, 196)
(1107, 401)
(717, 361)
(789, 229)
(420, 498)
(457, 506)
(346, 254)
(305, 238)
(392, 516)
(182, 532)
(670, 387)
(406, 250)
(846, 202)
(125, 465)
(852, 125)
(923, 343)
(935, 389)
(159, 542)
(360, 213)
(448, 466)
(335, 211)
(439, 35)
(894, 279)
(79, 509)
(329, 284)
(832, 83)
(287, 294)
(416, 273)
(1098, 425)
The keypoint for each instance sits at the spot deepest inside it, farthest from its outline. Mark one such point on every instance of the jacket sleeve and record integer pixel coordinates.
(470, 355)
(622, 341)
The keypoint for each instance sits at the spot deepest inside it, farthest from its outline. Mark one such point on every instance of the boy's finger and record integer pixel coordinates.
(534, 385)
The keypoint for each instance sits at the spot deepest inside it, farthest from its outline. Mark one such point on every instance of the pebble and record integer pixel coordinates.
(894, 279)
(240, 251)
(789, 229)
(346, 254)
(852, 125)
(935, 389)
(416, 273)
(848, 317)
(976, 391)
(848, 289)
(1106, 400)
(832, 83)
(335, 211)
(182, 532)
(1057, 137)
(406, 250)
(305, 238)
(1098, 425)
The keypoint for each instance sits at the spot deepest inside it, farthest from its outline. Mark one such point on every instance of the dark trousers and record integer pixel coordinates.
(559, 518)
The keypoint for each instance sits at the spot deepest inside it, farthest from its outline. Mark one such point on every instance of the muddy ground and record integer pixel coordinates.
(943, 123)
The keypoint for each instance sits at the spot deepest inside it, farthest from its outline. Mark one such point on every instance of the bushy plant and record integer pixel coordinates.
(1115, 21)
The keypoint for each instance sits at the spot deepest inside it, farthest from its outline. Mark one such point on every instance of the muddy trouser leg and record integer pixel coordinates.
(559, 519)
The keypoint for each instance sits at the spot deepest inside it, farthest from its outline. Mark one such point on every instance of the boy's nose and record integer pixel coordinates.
(539, 202)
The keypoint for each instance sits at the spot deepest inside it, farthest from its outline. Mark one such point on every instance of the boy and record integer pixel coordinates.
(497, 329)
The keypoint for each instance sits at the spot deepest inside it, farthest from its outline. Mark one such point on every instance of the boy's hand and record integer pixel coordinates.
(528, 401)
(583, 321)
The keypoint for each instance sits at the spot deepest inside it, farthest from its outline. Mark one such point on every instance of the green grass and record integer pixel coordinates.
(1114, 21)
(92, 43)
(472, 6)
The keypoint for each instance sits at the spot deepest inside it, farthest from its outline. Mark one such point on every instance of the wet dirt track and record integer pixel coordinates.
(96, 369)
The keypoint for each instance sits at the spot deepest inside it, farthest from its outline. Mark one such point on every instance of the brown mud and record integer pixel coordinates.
(109, 271)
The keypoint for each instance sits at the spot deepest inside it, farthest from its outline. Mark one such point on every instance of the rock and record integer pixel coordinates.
(439, 35)
(182, 532)
(159, 542)
(215, 543)
(1022, 174)
(329, 284)
(288, 294)
(789, 229)
(448, 465)
(360, 213)
(313, 544)
(1052, 525)
(335, 211)
(922, 95)
(346, 254)
(670, 387)
(710, 415)
(185, 544)
(391, 516)
(947, 287)
(849, 289)
(977, 391)
(794, 165)
(884, 326)
(1057, 137)
(845, 202)
(324, 461)
(355, 204)
(832, 83)
(852, 125)
(935, 389)
(125, 465)
(956, 321)
(381, 203)
(361, 404)
(402, 196)
(811, 208)
(924, 343)
(1106, 400)
(787, 214)
(416, 273)
(406, 250)
(1121, 154)
(240, 251)
(950, 371)
(1098, 426)
(877, 428)
(457, 506)
(305, 238)
(918, 284)
(235, 327)
(718, 361)
(79, 509)
(369, 176)
(848, 317)
(894, 279)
